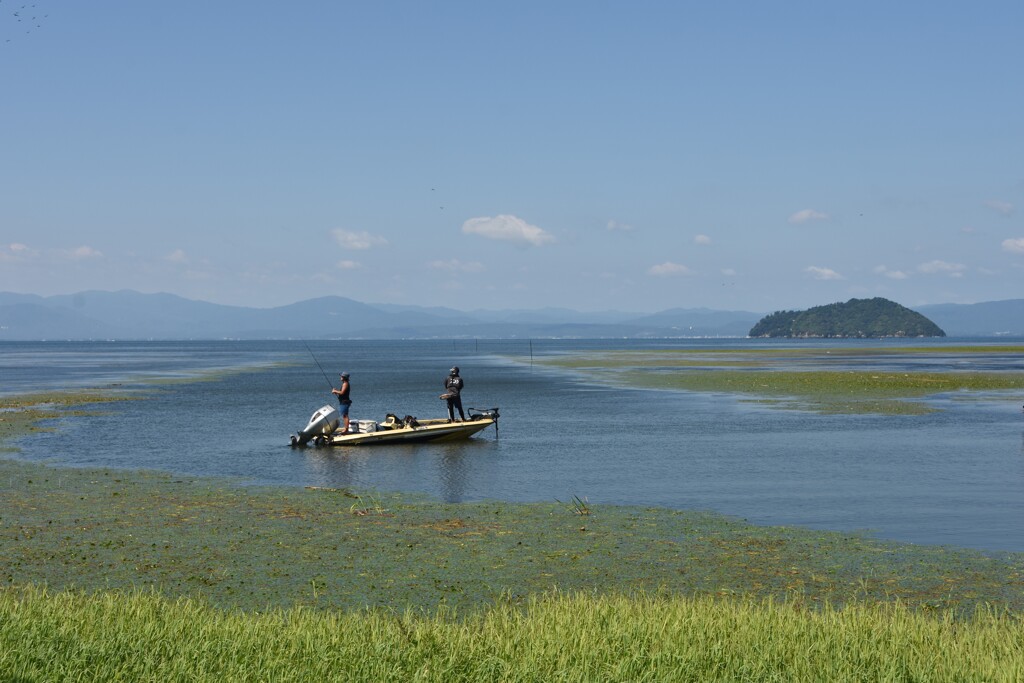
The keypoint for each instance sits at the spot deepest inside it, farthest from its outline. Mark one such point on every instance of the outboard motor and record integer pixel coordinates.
(322, 423)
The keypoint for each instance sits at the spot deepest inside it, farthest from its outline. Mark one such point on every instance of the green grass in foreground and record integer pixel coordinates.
(70, 636)
(793, 378)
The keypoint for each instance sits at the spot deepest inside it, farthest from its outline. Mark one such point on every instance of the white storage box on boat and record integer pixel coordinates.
(364, 426)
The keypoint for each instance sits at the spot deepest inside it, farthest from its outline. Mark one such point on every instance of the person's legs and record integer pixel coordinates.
(344, 416)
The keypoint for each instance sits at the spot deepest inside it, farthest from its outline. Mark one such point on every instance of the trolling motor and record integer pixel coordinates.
(322, 423)
(479, 413)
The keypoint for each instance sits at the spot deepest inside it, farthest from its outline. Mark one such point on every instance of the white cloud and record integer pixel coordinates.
(893, 274)
(457, 266)
(347, 264)
(83, 252)
(807, 215)
(22, 252)
(1014, 245)
(669, 268)
(728, 271)
(1003, 208)
(942, 267)
(615, 225)
(822, 273)
(702, 240)
(349, 239)
(177, 256)
(507, 228)
(16, 252)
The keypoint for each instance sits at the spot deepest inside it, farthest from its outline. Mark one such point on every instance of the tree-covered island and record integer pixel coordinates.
(857, 318)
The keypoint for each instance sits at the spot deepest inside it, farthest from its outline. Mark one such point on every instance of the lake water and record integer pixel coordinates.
(952, 477)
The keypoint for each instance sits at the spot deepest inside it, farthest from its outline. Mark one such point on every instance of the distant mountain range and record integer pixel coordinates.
(988, 319)
(132, 315)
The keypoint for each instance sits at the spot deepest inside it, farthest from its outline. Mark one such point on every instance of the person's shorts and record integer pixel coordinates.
(343, 407)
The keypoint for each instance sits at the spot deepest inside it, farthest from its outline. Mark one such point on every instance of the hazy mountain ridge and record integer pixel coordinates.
(990, 318)
(128, 314)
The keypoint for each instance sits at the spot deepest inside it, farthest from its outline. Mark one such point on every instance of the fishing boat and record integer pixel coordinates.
(322, 429)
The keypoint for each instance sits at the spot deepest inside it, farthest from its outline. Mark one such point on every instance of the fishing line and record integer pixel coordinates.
(331, 384)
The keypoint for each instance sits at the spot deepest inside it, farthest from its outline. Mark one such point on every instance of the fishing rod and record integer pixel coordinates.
(331, 384)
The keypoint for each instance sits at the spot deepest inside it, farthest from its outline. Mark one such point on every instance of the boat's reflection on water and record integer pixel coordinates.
(448, 468)
(452, 471)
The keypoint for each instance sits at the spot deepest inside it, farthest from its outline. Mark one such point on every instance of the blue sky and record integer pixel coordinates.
(592, 155)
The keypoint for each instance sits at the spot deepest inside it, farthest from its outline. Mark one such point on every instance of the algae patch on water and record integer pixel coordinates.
(835, 380)
(27, 413)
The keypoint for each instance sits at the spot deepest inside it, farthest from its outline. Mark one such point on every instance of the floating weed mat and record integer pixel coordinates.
(552, 637)
(263, 548)
(792, 378)
(209, 374)
(835, 392)
(22, 414)
(713, 355)
(27, 413)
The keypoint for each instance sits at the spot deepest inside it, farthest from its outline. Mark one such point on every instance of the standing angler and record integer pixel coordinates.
(453, 385)
(344, 400)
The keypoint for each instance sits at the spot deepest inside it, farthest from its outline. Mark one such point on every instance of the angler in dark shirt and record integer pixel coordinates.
(343, 399)
(453, 389)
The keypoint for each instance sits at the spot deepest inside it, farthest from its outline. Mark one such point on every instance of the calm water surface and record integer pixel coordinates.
(952, 477)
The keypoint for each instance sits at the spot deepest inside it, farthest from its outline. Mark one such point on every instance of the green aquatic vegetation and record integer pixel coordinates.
(695, 357)
(65, 399)
(27, 413)
(263, 548)
(552, 636)
(831, 391)
(788, 378)
(579, 506)
(613, 360)
(22, 414)
(211, 374)
(962, 349)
